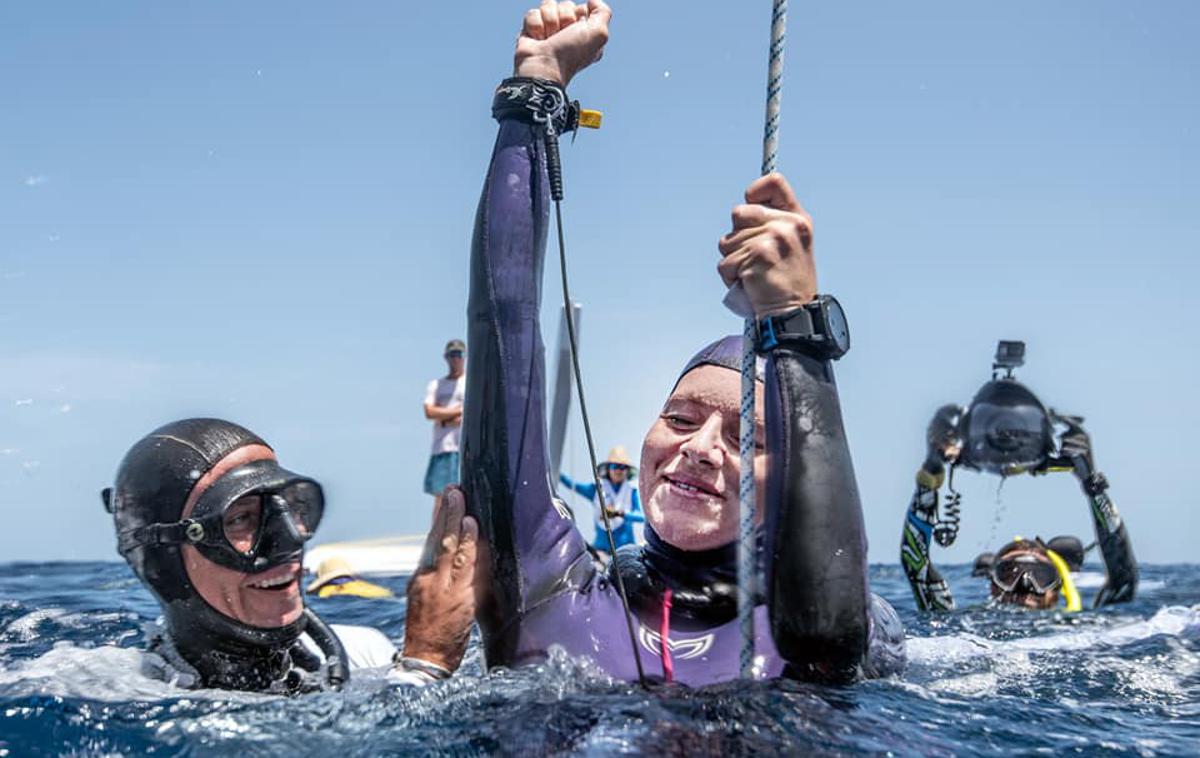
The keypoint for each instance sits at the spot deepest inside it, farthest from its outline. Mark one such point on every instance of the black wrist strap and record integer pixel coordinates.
(536, 101)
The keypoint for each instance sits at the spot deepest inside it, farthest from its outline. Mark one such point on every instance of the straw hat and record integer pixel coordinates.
(330, 569)
(618, 456)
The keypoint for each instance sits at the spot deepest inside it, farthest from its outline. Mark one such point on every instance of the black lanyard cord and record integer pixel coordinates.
(554, 170)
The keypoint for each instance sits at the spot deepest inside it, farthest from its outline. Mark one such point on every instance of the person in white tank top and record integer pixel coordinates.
(444, 407)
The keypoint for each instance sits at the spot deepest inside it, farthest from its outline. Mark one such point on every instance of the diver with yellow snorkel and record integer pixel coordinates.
(1006, 430)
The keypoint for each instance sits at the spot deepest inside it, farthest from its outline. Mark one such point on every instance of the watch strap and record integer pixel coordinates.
(795, 326)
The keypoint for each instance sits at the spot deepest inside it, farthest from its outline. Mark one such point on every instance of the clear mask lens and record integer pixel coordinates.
(242, 523)
(298, 506)
(305, 506)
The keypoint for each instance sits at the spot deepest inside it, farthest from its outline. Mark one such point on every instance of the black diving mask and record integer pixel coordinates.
(256, 517)
(1025, 572)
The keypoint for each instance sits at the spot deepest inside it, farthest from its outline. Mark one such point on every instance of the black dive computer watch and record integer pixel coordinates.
(817, 329)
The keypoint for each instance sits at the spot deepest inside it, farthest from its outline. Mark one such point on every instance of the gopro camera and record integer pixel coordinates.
(1009, 355)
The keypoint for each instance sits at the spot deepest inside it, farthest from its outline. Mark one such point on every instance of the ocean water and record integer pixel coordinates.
(1121, 681)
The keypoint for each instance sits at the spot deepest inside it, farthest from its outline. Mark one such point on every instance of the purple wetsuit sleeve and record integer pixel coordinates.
(819, 603)
(533, 549)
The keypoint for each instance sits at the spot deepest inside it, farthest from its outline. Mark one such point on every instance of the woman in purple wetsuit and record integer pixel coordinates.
(816, 618)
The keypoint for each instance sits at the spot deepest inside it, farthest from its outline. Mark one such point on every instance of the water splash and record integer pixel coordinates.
(982, 681)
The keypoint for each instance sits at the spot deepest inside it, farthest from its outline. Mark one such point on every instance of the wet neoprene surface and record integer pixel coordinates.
(545, 589)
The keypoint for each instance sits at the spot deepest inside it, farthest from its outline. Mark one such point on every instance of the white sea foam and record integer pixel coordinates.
(106, 673)
(26, 628)
(967, 665)
(1094, 580)
(1174, 620)
(1089, 580)
(109, 673)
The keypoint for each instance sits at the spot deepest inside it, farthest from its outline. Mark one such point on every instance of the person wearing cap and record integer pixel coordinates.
(444, 407)
(1007, 431)
(335, 577)
(215, 528)
(814, 616)
(619, 496)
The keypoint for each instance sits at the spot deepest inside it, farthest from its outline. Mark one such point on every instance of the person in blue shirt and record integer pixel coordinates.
(620, 496)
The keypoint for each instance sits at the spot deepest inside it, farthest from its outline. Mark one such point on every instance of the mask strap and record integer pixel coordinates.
(189, 530)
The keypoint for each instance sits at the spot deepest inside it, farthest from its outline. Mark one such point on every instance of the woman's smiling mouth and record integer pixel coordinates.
(692, 487)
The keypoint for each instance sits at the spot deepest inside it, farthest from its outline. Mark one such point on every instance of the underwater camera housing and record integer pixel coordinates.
(1006, 430)
(1010, 354)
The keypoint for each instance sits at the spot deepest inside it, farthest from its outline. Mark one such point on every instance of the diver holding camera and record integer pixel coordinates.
(1006, 430)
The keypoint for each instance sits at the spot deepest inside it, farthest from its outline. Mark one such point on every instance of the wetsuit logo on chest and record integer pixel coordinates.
(563, 511)
(681, 649)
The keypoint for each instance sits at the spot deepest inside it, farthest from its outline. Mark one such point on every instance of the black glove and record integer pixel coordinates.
(1075, 445)
(940, 436)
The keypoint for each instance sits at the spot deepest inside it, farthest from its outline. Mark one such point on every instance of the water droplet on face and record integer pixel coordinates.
(194, 474)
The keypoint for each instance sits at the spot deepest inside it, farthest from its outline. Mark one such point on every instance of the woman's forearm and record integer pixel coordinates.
(532, 544)
(816, 544)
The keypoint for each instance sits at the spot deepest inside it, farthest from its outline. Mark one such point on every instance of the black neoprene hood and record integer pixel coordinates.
(725, 353)
(153, 483)
(152, 486)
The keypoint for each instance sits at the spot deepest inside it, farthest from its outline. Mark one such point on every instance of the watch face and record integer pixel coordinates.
(839, 330)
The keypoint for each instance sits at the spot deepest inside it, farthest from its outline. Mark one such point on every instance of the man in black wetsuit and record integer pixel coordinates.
(816, 617)
(215, 528)
(1006, 430)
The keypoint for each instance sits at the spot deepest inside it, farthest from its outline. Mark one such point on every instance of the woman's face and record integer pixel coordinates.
(689, 467)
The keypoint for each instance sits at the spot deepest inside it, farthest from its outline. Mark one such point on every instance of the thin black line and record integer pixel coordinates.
(587, 430)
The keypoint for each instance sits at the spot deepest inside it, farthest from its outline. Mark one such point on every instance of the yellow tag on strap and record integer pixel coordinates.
(590, 119)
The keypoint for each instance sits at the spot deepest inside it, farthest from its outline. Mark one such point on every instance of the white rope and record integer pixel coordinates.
(747, 568)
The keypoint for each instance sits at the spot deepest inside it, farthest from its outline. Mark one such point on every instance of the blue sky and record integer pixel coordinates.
(263, 211)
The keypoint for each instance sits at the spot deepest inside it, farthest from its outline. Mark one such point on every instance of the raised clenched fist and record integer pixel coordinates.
(770, 249)
(558, 40)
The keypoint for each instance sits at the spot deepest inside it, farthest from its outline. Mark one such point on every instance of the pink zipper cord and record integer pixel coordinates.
(664, 633)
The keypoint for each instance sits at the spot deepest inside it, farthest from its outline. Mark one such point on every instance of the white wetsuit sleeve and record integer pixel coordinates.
(366, 647)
